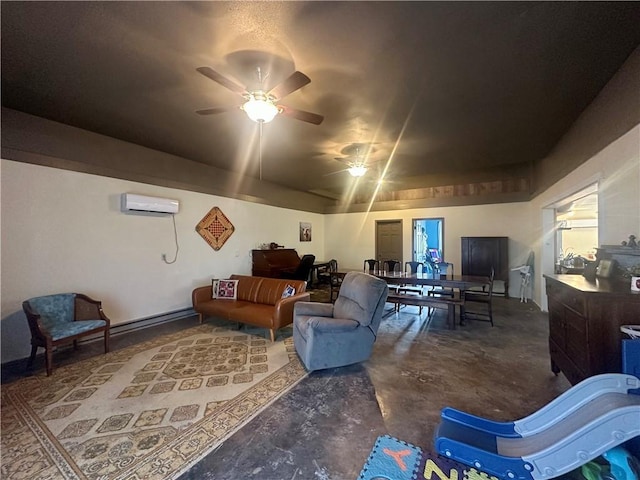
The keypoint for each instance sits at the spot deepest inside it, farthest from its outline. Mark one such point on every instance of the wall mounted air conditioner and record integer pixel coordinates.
(132, 202)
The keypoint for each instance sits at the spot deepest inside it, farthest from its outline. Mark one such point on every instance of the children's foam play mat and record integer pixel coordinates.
(393, 459)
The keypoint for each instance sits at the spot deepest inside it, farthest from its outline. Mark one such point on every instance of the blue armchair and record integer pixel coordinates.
(63, 318)
(329, 335)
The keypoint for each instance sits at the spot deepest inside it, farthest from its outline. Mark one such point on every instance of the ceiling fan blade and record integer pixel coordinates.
(301, 115)
(215, 110)
(221, 79)
(294, 82)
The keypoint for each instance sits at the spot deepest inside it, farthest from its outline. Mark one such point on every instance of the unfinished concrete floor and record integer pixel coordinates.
(325, 427)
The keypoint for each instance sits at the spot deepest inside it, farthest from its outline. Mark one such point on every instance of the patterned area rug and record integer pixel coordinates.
(147, 411)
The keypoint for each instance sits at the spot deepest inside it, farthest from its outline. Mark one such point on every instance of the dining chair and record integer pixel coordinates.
(412, 268)
(480, 303)
(335, 280)
(441, 268)
(391, 265)
(371, 264)
(324, 276)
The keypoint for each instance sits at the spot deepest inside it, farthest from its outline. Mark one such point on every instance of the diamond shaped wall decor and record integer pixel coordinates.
(215, 228)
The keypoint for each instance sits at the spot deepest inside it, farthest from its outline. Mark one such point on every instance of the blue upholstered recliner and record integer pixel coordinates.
(329, 335)
(63, 318)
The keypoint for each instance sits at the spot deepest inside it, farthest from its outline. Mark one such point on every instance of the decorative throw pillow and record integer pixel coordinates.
(214, 287)
(288, 291)
(228, 289)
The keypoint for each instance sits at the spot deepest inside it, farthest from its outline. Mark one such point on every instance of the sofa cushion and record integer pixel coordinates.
(264, 290)
(254, 313)
(65, 330)
(247, 287)
(220, 307)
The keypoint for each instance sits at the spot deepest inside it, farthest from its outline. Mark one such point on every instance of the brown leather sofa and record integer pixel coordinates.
(259, 302)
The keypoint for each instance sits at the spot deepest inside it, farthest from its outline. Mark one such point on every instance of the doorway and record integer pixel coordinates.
(428, 234)
(388, 240)
(576, 239)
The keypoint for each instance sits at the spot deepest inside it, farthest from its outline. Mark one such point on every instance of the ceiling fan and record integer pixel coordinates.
(356, 168)
(357, 163)
(261, 106)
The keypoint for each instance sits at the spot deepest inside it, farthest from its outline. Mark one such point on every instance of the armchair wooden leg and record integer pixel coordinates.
(273, 335)
(106, 341)
(75, 344)
(34, 350)
(48, 356)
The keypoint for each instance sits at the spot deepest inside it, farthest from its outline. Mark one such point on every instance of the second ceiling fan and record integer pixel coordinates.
(259, 105)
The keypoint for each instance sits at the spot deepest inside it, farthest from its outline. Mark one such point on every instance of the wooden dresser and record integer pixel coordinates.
(584, 324)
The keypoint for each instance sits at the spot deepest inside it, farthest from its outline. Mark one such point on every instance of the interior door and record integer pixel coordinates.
(389, 241)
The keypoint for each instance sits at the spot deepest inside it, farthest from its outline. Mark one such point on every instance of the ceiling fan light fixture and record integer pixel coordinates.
(260, 108)
(357, 170)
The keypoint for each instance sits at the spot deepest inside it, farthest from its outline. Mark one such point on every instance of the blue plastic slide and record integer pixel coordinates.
(592, 417)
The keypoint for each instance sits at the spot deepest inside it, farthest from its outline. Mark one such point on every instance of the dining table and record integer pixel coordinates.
(459, 283)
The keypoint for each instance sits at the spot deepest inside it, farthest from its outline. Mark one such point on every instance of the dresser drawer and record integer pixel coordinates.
(575, 301)
(569, 297)
(577, 340)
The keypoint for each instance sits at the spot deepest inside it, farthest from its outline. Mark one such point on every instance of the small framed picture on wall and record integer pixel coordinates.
(305, 232)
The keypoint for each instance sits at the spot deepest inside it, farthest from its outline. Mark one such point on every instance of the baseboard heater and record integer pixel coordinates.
(146, 322)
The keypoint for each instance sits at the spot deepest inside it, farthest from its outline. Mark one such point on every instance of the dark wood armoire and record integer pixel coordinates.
(480, 254)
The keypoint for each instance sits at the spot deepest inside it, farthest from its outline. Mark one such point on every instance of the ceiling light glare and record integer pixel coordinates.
(259, 108)
(357, 170)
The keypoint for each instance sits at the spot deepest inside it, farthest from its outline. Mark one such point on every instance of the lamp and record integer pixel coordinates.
(357, 170)
(259, 107)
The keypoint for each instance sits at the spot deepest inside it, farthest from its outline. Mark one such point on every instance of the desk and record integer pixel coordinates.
(459, 282)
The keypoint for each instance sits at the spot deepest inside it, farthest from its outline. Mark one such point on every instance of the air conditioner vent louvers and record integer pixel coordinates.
(132, 202)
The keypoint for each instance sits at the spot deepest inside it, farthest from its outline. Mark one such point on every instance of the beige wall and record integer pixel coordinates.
(63, 231)
(356, 238)
(616, 169)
